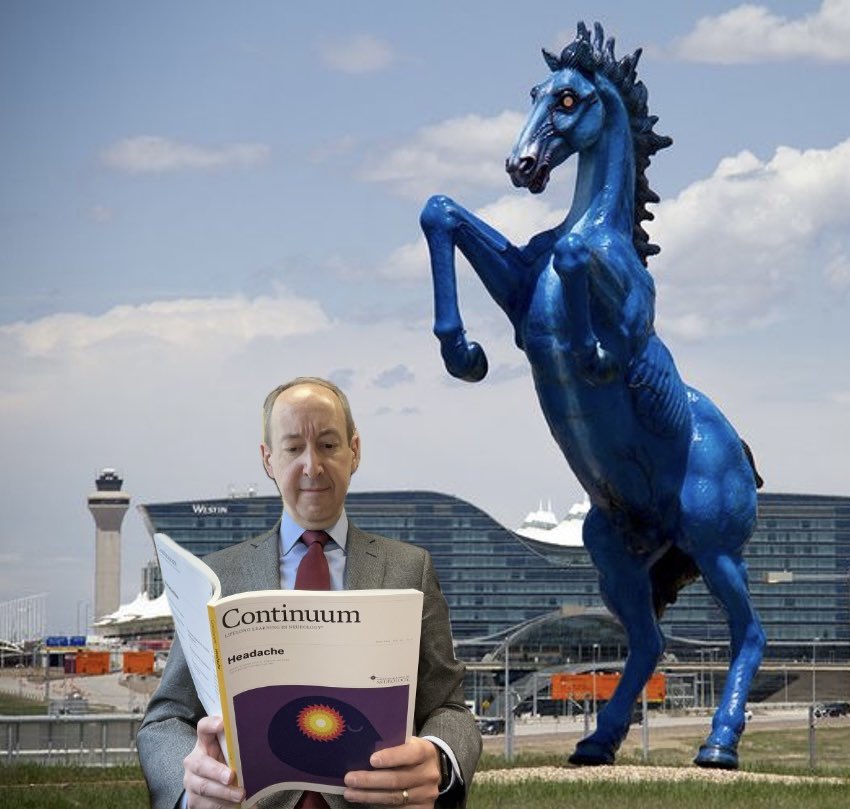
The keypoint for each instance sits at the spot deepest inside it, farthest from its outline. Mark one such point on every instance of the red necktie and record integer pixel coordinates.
(313, 574)
(311, 800)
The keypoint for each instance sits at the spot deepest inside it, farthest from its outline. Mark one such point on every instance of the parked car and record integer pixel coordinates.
(832, 709)
(490, 726)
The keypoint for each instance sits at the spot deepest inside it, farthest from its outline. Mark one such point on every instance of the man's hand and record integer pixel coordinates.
(206, 777)
(407, 775)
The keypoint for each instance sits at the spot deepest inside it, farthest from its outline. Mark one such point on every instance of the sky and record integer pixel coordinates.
(201, 200)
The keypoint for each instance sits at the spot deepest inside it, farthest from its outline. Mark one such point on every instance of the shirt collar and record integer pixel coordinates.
(290, 532)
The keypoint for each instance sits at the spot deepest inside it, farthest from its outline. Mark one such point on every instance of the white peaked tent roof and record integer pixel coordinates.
(543, 526)
(139, 608)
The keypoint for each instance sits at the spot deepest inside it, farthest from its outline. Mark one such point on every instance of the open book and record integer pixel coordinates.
(309, 684)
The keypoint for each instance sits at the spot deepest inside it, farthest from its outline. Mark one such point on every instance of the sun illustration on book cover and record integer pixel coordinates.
(321, 722)
(322, 735)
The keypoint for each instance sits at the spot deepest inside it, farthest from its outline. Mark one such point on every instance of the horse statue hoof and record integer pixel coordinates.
(591, 754)
(466, 361)
(718, 757)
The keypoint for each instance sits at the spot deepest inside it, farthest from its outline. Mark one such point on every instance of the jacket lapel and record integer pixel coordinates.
(258, 568)
(366, 561)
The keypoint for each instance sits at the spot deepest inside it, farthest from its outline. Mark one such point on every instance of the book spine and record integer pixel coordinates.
(225, 702)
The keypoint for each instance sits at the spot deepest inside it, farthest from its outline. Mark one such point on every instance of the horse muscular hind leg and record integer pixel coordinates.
(726, 577)
(627, 591)
(448, 225)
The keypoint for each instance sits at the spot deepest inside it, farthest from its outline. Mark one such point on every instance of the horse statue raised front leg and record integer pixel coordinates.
(672, 486)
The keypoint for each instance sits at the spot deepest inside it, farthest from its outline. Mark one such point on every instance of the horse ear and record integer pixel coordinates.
(553, 61)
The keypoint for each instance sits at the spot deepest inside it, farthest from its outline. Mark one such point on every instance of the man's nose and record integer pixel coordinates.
(312, 464)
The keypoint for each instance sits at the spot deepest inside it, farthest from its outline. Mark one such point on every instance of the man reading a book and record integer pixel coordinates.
(310, 449)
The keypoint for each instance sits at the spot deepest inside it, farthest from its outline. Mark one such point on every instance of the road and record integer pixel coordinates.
(123, 693)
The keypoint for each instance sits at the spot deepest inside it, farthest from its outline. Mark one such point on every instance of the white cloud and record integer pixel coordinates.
(151, 154)
(519, 217)
(740, 247)
(454, 154)
(752, 33)
(184, 324)
(358, 53)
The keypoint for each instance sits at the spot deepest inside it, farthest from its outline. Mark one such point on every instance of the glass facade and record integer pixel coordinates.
(494, 579)
(799, 568)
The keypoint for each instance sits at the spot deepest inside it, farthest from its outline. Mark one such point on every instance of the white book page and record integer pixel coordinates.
(190, 585)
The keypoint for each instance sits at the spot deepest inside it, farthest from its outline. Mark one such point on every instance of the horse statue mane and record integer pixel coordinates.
(672, 486)
(597, 56)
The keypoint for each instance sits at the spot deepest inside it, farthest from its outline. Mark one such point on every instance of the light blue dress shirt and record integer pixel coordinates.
(292, 551)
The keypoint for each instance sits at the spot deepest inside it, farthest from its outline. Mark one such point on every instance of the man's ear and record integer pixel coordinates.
(355, 448)
(265, 455)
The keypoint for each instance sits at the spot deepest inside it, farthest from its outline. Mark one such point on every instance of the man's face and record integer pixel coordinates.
(310, 458)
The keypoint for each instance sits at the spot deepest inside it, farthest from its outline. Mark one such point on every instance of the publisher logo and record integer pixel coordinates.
(378, 680)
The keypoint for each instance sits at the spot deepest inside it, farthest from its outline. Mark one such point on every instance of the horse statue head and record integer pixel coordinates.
(570, 112)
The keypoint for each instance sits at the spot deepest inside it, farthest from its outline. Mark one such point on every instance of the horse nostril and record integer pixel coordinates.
(520, 165)
(521, 169)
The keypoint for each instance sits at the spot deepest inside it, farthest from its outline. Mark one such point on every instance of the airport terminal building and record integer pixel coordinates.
(495, 579)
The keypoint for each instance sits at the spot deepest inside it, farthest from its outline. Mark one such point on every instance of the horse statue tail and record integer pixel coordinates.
(674, 571)
(752, 462)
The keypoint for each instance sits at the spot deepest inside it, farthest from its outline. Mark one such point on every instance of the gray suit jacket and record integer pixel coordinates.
(167, 734)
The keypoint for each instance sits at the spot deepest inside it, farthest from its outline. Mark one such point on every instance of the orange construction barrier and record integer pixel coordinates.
(601, 686)
(92, 662)
(138, 662)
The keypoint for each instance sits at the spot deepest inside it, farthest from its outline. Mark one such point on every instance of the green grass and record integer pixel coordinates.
(775, 751)
(31, 786)
(786, 751)
(12, 705)
(652, 795)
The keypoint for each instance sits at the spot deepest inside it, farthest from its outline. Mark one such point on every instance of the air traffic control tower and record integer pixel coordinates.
(108, 506)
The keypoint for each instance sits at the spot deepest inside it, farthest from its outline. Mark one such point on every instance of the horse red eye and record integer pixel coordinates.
(568, 101)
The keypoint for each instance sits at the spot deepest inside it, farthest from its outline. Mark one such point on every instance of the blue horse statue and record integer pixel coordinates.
(671, 484)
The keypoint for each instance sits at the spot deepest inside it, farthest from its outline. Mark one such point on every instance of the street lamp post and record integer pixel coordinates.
(701, 678)
(563, 611)
(593, 674)
(814, 670)
(713, 659)
(79, 604)
(509, 731)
